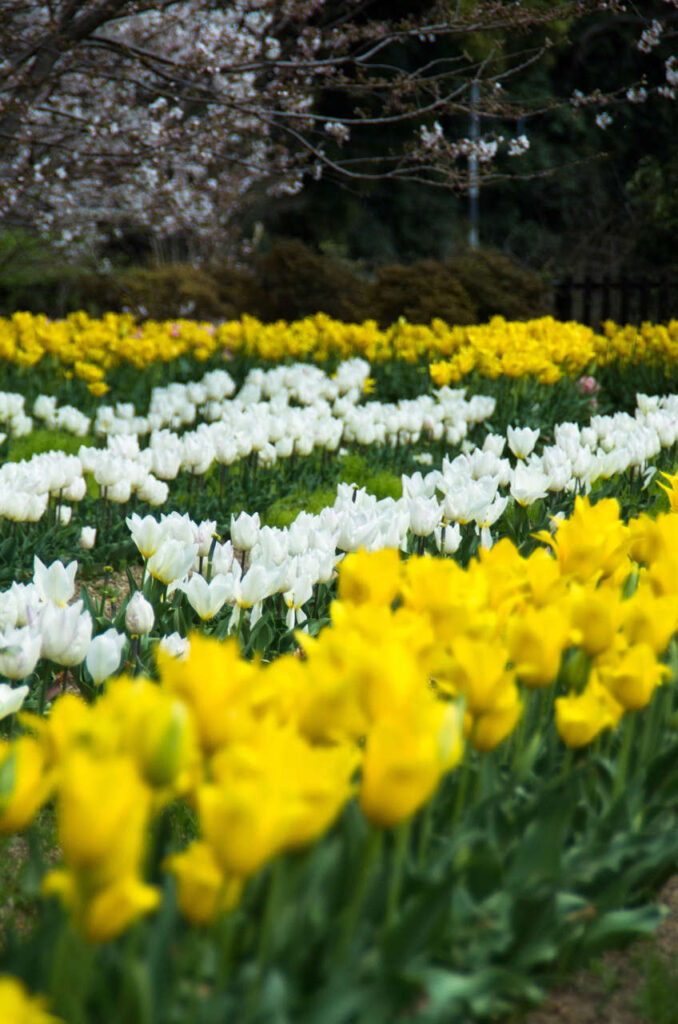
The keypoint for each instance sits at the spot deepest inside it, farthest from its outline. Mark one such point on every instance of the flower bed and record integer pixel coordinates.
(400, 756)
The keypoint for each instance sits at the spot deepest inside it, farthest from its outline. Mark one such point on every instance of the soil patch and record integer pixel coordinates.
(608, 992)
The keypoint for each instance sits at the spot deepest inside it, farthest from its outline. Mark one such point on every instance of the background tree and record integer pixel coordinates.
(167, 118)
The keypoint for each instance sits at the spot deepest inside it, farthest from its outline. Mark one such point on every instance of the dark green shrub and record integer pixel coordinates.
(162, 292)
(295, 282)
(35, 277)
(420, 292)
(499, 287)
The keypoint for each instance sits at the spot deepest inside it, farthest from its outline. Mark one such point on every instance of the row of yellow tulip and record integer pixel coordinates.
(544, 348)
(421, 655)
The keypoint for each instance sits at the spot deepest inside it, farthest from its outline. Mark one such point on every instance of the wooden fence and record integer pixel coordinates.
(626, 300)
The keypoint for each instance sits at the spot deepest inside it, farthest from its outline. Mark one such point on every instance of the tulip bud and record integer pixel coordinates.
(88, 536)
(244, 530)
(139, 615)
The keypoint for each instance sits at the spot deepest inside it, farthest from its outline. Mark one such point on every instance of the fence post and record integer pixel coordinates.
(663, 299)
(586, 300)
(643, 299)
(605, 299)
(564, 298)
(624, 286)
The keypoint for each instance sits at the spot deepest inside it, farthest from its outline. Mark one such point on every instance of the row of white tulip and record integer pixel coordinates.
(260, 420)
(178, 405)
(468, 489)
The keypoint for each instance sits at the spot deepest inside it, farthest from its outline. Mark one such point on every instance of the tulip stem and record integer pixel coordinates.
(42, 689)
(519, 738)
(624, 756)
(464, 778)
(271, 907)
(270, 911)
(425, 830)
(395, 884)
(370, 856)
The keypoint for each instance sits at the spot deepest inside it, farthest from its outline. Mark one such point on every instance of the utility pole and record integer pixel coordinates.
(473, 190)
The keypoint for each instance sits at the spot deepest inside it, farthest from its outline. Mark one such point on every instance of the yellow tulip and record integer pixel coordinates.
(110, 911)
(372, 578)
(219, 687)
(581, 717)
(478, 671)
(632, 676)
(594, 616)
(157, 730)
(592, 542)
(647, 619)
(102, 814)
(101, 913)
(536, 640)
(671, 488)
(203, 891)
(17, 1006)
(275, 792)
(25, 783)
(488, 730)
(405, 757)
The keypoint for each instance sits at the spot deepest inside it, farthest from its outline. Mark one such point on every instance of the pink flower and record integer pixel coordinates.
(588, 386)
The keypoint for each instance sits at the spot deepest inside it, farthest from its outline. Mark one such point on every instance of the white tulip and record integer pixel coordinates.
(176, 646)
(19, 652)
(259, 582)
(55, 584)
(521, 441)
(207, 599)
(299, 594)
(147, 533)
(198, 454)
(44, 408)
(203, 536)
(11, 699)
(76, 490)
(178, 527)
(9, 610)
(139, 615)
(447, 537)
(494, 443)
(284, 447)
(244, 530)
(29, 603)
(166, 464)
(120, 491)
(424, 515)
(104, 654)
(88, 536)
(528, 484)
(172, 560)
(155, 492)
(222, 558)
(66, 633)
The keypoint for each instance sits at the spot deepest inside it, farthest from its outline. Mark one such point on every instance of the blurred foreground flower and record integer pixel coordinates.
(17, 1006)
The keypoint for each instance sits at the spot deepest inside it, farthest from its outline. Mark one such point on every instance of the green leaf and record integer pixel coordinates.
(620, 926)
